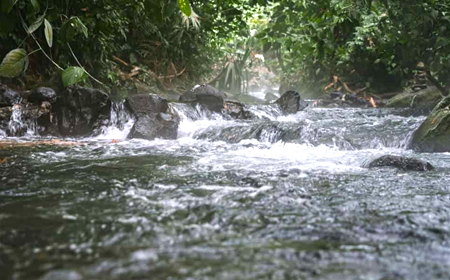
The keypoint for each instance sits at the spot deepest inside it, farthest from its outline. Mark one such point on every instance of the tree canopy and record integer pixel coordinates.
(375, 43)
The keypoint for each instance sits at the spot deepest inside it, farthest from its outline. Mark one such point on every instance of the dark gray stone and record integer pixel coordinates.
(81, 111)
(403, 163)
(206, 96)
(237, 110)
(42, 94)
(8, 97)
(291, 102)
(153, 117)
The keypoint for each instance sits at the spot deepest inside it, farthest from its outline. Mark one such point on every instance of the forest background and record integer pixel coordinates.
(166, 46)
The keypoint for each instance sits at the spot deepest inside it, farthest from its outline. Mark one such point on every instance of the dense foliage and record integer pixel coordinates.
(372, 43)
(377, 41)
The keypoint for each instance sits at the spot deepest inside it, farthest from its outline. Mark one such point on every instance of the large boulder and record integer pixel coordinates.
(403, 163)
(80, 111)
(423, 99)
(8, 97)
(154, 119)
(433, 135)
(291, 102)
(206, 96)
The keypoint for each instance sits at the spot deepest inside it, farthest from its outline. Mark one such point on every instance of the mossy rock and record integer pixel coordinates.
(433, 134)
(424, 99)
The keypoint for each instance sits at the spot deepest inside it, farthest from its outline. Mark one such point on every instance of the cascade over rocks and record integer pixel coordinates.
(8, 97)
(78, 111)
(403, 163)
(433, 135)
(154, 119)
(291, 102)
(206, 96)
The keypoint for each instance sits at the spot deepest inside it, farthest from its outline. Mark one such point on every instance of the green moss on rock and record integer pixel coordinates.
(424, 99)
(433, 134)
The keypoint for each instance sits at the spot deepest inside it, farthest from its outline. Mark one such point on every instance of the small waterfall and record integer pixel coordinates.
(120, 123)
(19, 127)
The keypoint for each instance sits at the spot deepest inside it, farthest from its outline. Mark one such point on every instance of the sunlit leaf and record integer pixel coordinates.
(73, 75)
(14, 63)
(48, 33)
(185, 7)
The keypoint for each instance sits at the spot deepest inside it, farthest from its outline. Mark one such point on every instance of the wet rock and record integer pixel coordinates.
(291, 102)
(237, 110)
(62, 275)
(404, 163)
(8, 97)
(426, 98)
(28, 111)
(206, 96)
(269, 97)
(42, 94)
(154, 119)
(433, 135)
(80, 111)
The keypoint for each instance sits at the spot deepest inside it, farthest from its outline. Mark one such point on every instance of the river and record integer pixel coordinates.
(279, 197)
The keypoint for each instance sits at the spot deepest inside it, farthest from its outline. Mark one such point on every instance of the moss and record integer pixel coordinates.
(424, 99)
(433, 135)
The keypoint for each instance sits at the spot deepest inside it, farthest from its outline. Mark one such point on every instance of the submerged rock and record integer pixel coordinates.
(8, 97)
(153, 117)
(404, 163)
(80, 111)
(206, 96)
(291, 102)
(433, 135)
(426, 98)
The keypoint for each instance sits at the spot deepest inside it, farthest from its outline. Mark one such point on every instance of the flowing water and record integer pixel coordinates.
(280, 197)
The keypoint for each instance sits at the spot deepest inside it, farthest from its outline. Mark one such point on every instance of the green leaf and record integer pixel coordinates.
(14, 63)
(48, 33)
(73, 75)
(267, 47)
(72, 28)
(185, 7)
(33, 27)
(81, 27)
(7, 6)
(36, 6)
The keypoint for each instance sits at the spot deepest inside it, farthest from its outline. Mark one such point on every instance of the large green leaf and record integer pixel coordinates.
(73, 75)
(14, 63)
(48, 33)
(7, 6)
(36, 24)
(185, 7)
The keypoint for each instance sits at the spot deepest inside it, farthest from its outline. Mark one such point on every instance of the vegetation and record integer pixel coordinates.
(372, 44)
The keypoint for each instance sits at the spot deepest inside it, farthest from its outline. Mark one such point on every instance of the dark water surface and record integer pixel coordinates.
(274, 198)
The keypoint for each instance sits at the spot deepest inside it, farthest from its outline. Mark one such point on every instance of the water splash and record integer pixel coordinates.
(120, 123)
(17, 126)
